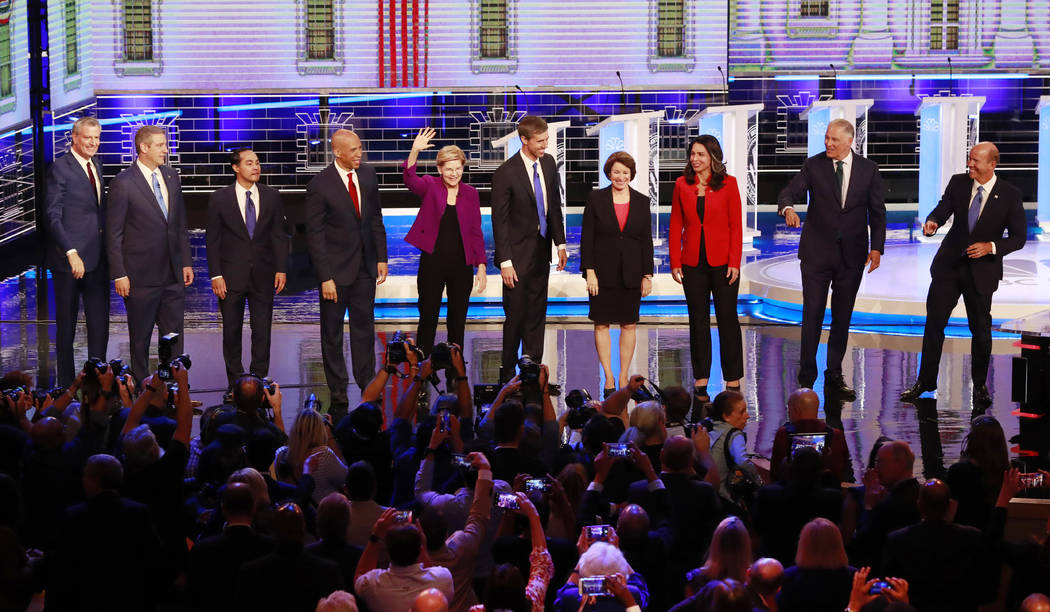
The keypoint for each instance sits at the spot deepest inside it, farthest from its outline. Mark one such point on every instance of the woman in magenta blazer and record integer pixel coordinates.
(705, 245)
(447, 230)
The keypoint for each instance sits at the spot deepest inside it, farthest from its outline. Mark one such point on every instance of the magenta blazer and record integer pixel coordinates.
(424, 231)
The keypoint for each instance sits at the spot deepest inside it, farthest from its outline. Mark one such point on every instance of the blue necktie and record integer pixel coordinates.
(541, 210)
(975, 209)
(160, 195)
(249, 214)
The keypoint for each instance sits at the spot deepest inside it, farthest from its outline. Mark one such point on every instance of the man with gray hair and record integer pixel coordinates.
(846, 201)
(75, 205)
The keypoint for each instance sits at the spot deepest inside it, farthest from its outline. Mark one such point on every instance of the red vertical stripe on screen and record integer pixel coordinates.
(382, 71)
(404, 43)
(393, 43)
(415, 43)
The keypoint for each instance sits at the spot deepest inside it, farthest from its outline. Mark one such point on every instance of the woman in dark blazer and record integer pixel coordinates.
(447, 230)
(616, 258)
(705, 246)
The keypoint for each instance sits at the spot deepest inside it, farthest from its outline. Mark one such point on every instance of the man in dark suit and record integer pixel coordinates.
(347, 242)
(247, 260)
(846, 198)
(890, 496)
(969, 263)
(148, 245)
(526, 219)
(75, 203)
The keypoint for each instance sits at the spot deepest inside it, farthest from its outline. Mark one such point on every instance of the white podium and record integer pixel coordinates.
(639, 135)
(948, 127)
(511, 145)
(823, 112)
(736, 128)
(1042, 214)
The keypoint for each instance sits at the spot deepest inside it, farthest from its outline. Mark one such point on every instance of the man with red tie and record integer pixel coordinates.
(347, 243)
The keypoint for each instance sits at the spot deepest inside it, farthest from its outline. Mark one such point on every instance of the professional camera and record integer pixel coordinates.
(644, 394)
(528, 372)
(396, 350)
(441, 357)
(578, 417)
(164, 350)
(95, 367)
(312, 403)
(119, 367)
(577, 398)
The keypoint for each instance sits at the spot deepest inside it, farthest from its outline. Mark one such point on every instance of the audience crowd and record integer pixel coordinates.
(110, 504)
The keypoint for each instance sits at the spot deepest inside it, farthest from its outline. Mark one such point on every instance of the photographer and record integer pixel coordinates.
(251, 396)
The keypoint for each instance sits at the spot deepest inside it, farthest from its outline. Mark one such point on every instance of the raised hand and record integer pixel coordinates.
(423, 138)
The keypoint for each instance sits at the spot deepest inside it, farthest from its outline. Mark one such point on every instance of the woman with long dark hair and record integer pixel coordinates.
(706, 242)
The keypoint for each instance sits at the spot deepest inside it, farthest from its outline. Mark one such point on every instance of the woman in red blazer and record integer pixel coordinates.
(705, 245)
(447, 230)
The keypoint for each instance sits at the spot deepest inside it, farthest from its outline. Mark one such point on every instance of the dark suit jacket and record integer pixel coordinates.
(244, 261)
(947, 566)
(289, 579)
(214, 560)
(338, 241)
(101, 539)
(828, 222)
(75, 218)
(137, 234)
(898, 510)
(617, 257)
(722, 228)
(515, 221)
(1002, 211)
(781, 511)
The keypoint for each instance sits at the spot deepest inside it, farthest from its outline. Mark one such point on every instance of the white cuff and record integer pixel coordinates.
(485, 475)
(215, 277)
(993, 248)
(561, 247)
(505, 264)
(655, 485)
(634, 608)
(596, 486)
(71, 251)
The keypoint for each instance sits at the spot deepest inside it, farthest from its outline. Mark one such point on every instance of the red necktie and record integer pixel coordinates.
(91, 177)
(353, 194)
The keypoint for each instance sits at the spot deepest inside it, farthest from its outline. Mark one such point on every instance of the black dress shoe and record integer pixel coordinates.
(913, 392)
(837, 387)
(981, 395)
(607, 392)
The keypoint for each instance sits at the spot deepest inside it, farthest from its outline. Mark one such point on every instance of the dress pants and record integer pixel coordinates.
(260, 312)
(525, 307)
(435, 274)
(700, 284)
(162, 306)
(844, 281)
(945, 289)
(359, 298)
(94, 289)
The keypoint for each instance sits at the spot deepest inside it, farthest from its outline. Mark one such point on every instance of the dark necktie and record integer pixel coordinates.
(840, 177)
(353, 194)
(541, 209)
(975, 209)
(91, 177)
(249, 214)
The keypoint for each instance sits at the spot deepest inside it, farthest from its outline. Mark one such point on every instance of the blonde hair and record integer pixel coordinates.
(256, 483)
(308, 432)
(820, 546)
(648, 417)
(449, 153)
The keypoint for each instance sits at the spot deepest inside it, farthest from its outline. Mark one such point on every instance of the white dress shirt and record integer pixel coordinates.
(148, 174)
(350, 175)
(532, 182)
(241, 191)
(847, 169)
(84, 163)
(984, 197)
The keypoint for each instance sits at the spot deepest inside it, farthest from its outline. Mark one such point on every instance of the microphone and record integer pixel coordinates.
(950, 79)
(623, 94)
(524, 95)
(725, 86)
(834, 81)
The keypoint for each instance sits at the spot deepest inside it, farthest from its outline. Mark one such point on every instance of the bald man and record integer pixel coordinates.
(1036, 602)
(803, 408)
(347, 242)
(430, 600)
(969, 263)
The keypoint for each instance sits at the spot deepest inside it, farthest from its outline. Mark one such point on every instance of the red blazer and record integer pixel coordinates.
(724, 235)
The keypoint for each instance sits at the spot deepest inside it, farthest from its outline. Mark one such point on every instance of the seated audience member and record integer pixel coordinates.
(604, 559)
(947, 566)
(333, 520)
(803, 406)
(764, 579)
(647, 547)
(105, 536)
(506, 589)
(364, 511)
(729, 556)
(822, 577)
(362, 438)
(891, 495)
(288, 578)
(718, 596)
(50, 481)
(891, 596)
(311, 450)
(459, 551)
(410, 569)
(214, 560)
(975, 480)
(783, 509)
(507, 459)
(339, 601)
(729, 444)
(430, 600)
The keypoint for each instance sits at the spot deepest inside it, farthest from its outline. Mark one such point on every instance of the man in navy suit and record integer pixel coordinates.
(969, 263)
(75, 203)
(247, 260)
(347, 243)
(148, 244)
(846, 199)
(526, 220)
